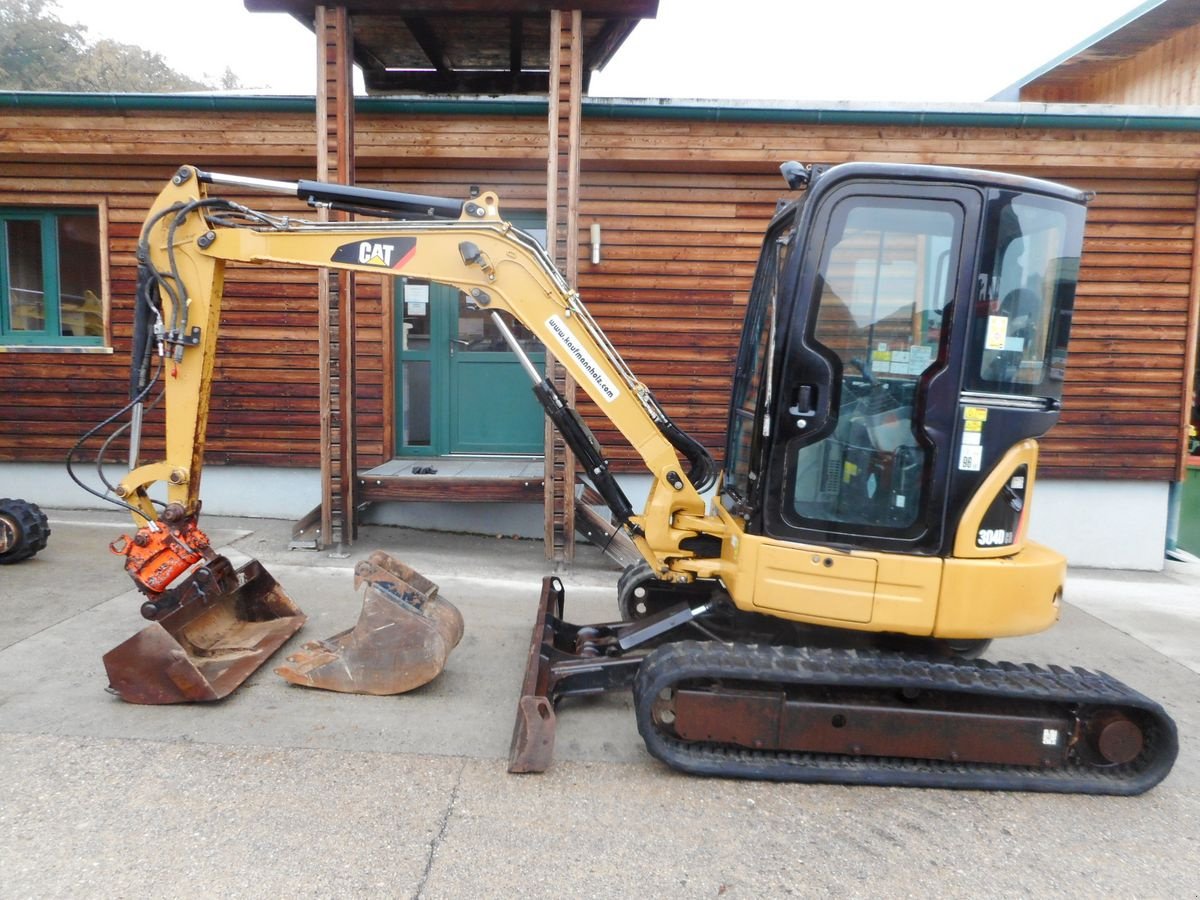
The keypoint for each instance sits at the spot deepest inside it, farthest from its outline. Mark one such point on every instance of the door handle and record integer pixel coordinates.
(805, 401)
(456, 343)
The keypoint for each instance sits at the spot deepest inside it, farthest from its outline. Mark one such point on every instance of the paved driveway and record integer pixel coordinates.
(279, 790)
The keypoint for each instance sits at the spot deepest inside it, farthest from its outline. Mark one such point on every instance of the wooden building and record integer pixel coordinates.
(322, 387)
(681, 192)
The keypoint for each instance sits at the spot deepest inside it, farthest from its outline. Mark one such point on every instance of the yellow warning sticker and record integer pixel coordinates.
(972, 425)
(975, 413)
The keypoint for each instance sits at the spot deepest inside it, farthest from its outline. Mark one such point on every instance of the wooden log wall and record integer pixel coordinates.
(682, 206)
(266, 397)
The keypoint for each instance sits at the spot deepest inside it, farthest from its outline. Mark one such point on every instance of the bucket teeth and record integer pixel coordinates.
(400, 642)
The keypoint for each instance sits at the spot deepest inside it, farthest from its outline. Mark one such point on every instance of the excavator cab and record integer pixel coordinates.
(906, 330)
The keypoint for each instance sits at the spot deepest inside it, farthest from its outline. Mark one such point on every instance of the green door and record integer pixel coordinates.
(460, 389)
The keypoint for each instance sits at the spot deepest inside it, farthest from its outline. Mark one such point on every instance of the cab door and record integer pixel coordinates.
(867, 388)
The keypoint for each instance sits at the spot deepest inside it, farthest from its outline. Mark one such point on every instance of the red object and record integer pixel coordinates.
(160, 553)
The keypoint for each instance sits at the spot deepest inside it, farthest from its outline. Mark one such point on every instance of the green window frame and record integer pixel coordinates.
(51, 277)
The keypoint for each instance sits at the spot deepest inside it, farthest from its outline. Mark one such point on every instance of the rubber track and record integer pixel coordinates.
(688, 661)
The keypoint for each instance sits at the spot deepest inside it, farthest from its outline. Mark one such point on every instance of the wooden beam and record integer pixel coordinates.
(642, 9)
(607, 42)
(562, 218)
(427, 40)
(335, 162)
(450, 490)
(324, 342)
(516, 43)
(457, 81)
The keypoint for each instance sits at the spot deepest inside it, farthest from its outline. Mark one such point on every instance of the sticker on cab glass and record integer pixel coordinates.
(997, 333)
(975, 413)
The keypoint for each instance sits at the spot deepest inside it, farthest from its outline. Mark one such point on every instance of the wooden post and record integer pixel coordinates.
(335, 162)
(562, 228)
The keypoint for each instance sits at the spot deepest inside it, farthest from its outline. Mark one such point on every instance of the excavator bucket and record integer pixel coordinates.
(403, 636)
(227, 624)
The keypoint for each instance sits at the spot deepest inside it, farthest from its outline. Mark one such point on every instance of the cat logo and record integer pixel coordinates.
(392, 253)
(375, 254)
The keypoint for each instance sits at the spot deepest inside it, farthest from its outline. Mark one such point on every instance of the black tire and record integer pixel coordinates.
(633, 592)
(24, 530)
(640, 594)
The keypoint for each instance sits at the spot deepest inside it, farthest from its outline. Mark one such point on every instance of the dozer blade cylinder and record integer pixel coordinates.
(401, 641)
(228, 624)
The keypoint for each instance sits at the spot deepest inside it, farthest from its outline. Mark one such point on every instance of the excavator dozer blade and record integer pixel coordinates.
(401, 641)
(228, 624)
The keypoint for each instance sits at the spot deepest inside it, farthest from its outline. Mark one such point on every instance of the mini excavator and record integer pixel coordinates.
(820, 619)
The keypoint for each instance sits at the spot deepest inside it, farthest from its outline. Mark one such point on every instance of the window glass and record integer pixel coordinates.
(1028, 287)
(50, 277)
(417, 326)
(751, 389)
(25, 267)
(477, 331)
(414, 427)
(82, 312)
(884, 289)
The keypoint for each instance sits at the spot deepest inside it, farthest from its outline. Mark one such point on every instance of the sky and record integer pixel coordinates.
(936, 51)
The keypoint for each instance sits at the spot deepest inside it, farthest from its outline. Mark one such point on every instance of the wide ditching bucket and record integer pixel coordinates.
(227, 624)
(401, 641)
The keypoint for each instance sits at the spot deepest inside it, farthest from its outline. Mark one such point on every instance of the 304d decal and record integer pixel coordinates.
(392, 253)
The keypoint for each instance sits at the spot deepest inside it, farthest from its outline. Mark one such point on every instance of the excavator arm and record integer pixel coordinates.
(190, 237)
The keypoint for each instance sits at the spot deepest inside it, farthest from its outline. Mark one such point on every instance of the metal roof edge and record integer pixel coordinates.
(496, 106)
(122, 102)
(1108, 117)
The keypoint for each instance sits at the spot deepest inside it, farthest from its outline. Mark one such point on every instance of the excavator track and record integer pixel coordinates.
(869, 717)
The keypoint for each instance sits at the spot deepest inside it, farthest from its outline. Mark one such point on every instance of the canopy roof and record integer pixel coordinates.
(468, 46)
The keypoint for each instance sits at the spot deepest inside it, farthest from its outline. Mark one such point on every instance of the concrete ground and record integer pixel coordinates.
(286, 791)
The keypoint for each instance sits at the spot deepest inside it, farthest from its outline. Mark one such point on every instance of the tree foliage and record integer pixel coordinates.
(40, 52)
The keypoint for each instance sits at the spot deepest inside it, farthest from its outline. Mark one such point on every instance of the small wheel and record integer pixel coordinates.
(24, 530)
